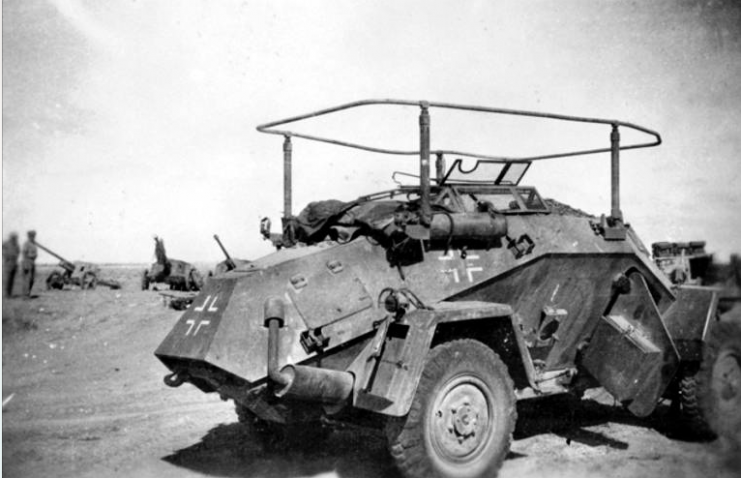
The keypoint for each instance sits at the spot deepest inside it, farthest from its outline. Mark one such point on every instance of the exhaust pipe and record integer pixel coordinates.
(327, 386)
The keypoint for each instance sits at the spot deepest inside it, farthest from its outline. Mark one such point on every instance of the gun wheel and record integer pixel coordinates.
(720, 380)
(462, 417)
(55, 281)
(145, 280)
(89, 281)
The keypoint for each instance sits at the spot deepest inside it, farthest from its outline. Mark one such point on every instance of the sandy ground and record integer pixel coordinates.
(88, 400)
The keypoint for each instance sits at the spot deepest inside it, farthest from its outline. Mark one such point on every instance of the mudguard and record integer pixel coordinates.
(689, 318)
(389, 368)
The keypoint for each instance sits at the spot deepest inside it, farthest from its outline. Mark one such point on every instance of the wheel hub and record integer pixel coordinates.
(461, 420)
(465, 421)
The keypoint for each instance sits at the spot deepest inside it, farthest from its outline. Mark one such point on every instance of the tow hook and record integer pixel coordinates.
(175, 379)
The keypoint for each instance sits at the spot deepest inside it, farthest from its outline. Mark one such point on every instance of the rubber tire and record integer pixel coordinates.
(89, 281)
(720, 397)
(252, 423)
(55, 280)
(692, 416)
(411, 438)
(145, 280)
(278, 437)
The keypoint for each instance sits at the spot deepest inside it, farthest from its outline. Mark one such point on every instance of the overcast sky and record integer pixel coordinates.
(125, 119)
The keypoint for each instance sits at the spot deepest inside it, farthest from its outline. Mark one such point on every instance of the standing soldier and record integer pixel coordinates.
(11, 249)
(28, 263)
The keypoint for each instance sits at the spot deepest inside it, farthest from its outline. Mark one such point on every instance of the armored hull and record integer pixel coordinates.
(332, 292)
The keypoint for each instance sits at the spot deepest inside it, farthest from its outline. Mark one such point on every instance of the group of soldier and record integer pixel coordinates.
(28, 253)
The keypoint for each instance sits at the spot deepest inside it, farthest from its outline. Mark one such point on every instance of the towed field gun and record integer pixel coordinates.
(84, 275)
(428, 311)
(178, 275)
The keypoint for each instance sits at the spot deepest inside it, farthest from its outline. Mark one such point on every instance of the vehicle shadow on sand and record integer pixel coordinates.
(568, 417)
(228, 450)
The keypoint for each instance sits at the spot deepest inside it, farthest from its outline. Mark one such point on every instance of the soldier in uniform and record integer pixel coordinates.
(11, 250)
(28, 262)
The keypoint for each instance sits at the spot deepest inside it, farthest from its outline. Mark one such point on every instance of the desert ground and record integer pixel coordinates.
(88, 400)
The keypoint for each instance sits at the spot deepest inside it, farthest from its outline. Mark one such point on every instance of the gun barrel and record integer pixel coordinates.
(229, 260)
(63, 262)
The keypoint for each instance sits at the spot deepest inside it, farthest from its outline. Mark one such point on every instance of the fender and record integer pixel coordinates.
(688, 320)
(389, 368)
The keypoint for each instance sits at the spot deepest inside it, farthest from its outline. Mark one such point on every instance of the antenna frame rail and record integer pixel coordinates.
(612, 227)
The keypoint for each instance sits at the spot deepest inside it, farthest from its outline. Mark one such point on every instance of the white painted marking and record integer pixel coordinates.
(456, 277)
(201, 324)
(211, 307)
(203, 306)
(471, 270)
(191, 323)
(555, 291)
(447, 257)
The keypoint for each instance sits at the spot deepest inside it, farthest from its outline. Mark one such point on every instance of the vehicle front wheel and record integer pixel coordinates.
(720, 381)
(462, 417)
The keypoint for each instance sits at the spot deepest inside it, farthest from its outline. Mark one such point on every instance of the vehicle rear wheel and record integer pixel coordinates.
(720, 381)
(276, 437)
(462, 417)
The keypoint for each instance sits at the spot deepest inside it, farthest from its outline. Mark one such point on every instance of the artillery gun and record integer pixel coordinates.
(178, 275)
(428, 311)
(84, 275)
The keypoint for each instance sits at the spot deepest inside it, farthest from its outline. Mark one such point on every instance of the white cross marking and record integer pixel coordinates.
(471, 270)
(201, 324)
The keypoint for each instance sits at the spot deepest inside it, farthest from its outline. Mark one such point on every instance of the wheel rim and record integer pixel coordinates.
(727, 381)
(461, 420)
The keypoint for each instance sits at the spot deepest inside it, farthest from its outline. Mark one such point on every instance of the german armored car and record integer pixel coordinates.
(428, 311)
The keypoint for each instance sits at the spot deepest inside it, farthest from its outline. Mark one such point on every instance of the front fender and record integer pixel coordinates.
(389, 368)
(689, 318)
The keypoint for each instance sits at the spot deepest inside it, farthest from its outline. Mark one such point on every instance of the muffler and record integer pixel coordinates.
(314, 384)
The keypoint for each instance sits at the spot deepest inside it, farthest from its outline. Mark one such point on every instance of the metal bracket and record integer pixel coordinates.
(521, 247)
(376, 352)
(610, 228)
(313, 340)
